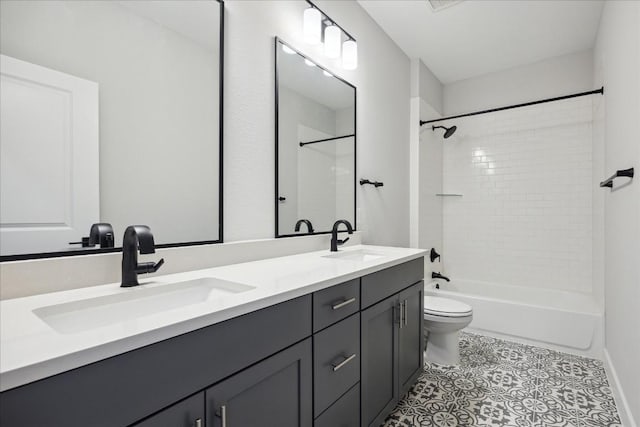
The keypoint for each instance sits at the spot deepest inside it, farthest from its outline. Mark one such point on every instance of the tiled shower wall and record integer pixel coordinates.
(525, 215)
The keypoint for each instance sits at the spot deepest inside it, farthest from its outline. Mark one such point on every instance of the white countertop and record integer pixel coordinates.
(30, 349)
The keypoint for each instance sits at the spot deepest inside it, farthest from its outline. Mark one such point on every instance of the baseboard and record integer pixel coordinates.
(595, 352)
(626, 417)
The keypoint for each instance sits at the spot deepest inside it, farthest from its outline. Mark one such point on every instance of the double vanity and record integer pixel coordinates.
(320, 338)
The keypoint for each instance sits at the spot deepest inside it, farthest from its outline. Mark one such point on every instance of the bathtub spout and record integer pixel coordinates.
(435, 275)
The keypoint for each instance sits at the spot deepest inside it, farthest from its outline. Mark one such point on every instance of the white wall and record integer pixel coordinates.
(430, 184)
(158, 102)
(425, 216)
(383, 87)
(425, 85)
(525, 215)
(553, 77)
(617, 67)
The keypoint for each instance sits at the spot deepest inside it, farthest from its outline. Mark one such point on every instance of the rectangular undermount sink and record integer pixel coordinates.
(359, 255)
(84, 315)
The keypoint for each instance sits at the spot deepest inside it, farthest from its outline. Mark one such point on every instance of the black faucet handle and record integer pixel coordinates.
(84, 242)
(149, 267)
(342, 242)
(158, 264)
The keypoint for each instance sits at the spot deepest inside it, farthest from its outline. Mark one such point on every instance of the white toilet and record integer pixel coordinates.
(443, 319)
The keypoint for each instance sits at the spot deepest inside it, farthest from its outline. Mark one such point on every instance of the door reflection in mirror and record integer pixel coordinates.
(110, 115)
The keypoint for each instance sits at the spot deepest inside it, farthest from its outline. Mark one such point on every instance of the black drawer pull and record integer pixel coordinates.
(343, 303)
(344, 362)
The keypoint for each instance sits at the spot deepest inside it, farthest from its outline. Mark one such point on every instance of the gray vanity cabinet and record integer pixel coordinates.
(133, 386)
(392, 342)
(275, 392)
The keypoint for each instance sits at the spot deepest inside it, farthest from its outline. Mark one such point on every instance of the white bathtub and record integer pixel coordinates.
(565, 321)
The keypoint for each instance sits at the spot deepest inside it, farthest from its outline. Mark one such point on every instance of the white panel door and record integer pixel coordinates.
(49, 180)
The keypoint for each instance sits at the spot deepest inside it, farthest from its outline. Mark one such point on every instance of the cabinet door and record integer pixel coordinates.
(411, 336)
(379, 376)
(276, 392)
(187, 413)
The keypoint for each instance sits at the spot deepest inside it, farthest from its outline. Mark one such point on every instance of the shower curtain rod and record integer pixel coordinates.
(302, 144)
(526, 104)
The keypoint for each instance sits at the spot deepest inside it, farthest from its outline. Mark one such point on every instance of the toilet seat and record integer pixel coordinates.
(445, 307)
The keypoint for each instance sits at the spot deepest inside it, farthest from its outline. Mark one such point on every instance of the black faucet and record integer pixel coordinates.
(137, 236)
(304, 221)
(435, 275)
(101, 234)
(334, 234)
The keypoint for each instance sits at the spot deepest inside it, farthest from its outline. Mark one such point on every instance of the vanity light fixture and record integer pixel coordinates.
(350, 55)
(314, 22)
(332, 39)
(312, 25)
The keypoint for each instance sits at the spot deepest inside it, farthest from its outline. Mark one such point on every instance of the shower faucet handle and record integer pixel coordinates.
(433, 255)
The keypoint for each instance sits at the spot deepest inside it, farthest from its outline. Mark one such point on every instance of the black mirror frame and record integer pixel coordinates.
(355, 140)
(20, 257)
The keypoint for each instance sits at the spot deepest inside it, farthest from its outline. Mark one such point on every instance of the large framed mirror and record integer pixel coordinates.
(111, 116)
(315, 146)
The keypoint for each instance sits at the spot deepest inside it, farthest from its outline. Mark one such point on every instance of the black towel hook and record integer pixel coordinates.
(374, 183)
(619, 173)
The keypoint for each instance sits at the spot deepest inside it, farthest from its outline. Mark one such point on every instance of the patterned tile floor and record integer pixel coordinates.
(502, 383)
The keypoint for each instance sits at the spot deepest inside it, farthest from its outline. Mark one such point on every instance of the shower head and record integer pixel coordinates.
(448, 131)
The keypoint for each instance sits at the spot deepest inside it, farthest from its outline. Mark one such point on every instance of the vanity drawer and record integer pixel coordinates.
(335, 303)
(382, 284)
(344, 413)
(336, 362)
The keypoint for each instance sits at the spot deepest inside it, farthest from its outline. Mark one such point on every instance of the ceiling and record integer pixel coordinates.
(474, 37)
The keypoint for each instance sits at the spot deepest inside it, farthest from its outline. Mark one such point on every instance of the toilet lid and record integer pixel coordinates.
(445, 307)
